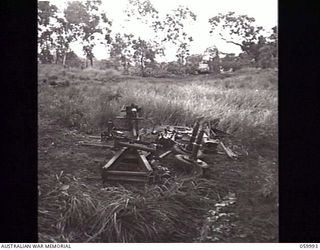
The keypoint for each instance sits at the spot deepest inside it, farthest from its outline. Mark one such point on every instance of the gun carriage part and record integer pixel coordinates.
(128, 165)
(136, 158)
(191, 159)
(210, 146)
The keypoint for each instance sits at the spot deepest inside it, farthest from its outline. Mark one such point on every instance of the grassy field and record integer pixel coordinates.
(74, 102)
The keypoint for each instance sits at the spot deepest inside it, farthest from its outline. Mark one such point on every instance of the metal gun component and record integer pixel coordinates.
(192, 160)
(139, 152)
(197, 144)
(209, 145)
(128, 165)
(130, 162)
(193, 136)
(181, 148)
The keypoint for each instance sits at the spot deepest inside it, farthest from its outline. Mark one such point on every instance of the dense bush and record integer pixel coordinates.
(45, 56)
(72, 60)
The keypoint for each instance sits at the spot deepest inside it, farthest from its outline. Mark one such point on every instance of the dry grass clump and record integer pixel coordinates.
(171, 212)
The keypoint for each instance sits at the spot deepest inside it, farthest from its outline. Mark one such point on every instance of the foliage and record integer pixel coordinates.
(232, 63)
(142, 10)
(239, 30)
(90, 21)
(211, 54)
(268, 53)
(84, 21)
(120, 51)
(173, 25)
(192, 64)
(145, 52)
(64, 33)
(45, 56)
(175, 68)
(72, 60)
(173, 29)
(168, 29)
(46, 12)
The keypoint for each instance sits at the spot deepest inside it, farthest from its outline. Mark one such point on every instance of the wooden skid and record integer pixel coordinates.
(115, 158)
(131, 173)
(125, 158)
(126, 178)
(145, 162)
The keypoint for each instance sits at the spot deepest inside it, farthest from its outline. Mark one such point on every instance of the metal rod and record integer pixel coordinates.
(193, 136)
(136, 118)
(136, 146)
(96, 145)
(196, 145)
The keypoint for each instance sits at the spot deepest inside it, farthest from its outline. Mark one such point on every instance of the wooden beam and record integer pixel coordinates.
(123, 178)
(133, 173)
(96, 145)
(165, 154)
(144, 161)
(136, 146)
(115, 158)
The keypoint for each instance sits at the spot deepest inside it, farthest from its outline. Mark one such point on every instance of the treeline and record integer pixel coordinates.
(86, 23)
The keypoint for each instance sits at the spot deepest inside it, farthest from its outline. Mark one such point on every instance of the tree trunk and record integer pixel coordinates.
(91, 61)
(126, 68)
(142, 67)
(64, 59)
(57, 57)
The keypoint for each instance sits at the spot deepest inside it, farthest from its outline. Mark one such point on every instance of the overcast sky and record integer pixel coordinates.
(264, 11)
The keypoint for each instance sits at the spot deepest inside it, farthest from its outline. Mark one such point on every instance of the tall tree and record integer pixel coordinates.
(64, 34)
(268, 52)
(46, 14)
(145, 53)
(173, 30)
(213, 58)
(91, 21)
(121, 52)
(239, 30)
(169, 28)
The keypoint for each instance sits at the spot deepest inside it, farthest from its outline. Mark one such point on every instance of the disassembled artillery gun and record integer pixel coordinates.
(136, 157)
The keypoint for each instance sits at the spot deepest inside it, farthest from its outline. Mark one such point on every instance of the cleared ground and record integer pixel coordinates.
(235, 202)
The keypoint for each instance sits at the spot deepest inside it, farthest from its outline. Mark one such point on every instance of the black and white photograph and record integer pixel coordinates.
(157, 121)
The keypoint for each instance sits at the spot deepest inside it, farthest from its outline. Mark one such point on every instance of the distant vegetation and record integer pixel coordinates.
(87, 23)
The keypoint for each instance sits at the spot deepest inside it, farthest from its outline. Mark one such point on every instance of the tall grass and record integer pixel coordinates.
(245, 104)
(116, 214)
